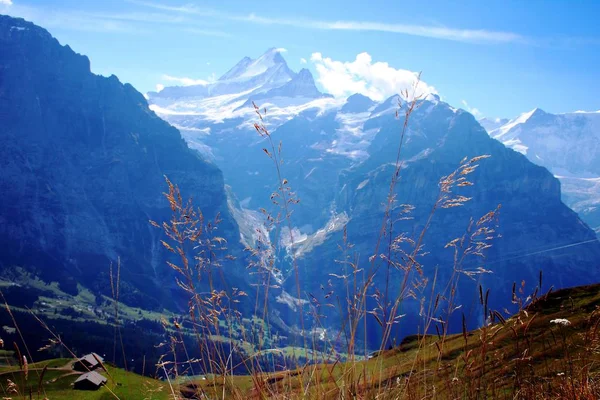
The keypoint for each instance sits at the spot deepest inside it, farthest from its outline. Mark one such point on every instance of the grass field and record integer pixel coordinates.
(524, 352)
(56, 383)
(550, 347)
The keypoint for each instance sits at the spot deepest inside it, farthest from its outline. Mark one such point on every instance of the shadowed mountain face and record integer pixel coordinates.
(83, 161)
(536, 230)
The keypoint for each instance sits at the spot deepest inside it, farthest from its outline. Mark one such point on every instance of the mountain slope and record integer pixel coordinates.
(544, 348)
(537, 231)
(83, 164)
(490, 124)
(267, 80)
(569, 146)
(547, 350)
(266, 72)
(301, 88)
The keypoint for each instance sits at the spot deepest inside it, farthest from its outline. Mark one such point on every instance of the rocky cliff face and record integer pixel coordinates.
(83, 161)
(537, 231)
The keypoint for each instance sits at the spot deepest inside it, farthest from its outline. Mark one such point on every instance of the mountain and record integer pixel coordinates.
(535, 230)
(569, 146)
(357, 103)
(83, 164)
(84, 158)
(490, 124)
(266, 72)
(267, 80)
(270, 68)
(339, 156)
(302, 86)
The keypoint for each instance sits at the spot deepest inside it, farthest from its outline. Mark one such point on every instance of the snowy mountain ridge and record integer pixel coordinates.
(267, 80)
(568, 145)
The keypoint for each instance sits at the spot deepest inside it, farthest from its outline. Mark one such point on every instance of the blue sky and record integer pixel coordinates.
(502, 58)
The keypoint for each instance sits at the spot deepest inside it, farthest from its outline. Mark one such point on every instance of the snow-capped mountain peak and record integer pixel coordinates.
(271, 64)
(302, 85)
(489, 124)
(266, 80)
(569, 146)
(510, 133)
(237, 70)
(249, 75)
(536, 115)
(305, 76)
(357, 103)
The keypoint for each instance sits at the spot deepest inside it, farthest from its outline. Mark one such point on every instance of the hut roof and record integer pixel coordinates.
(91, 359)
(93, 377)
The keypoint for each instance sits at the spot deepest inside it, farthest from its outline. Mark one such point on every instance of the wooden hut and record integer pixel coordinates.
(89, 362)
(89, 381)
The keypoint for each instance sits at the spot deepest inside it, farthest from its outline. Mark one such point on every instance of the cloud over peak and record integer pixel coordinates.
(377, 80)
(183, 81)
(476, 113)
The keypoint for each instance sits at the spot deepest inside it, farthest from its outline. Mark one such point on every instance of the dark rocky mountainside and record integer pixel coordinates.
(537, 231)
(83, 161)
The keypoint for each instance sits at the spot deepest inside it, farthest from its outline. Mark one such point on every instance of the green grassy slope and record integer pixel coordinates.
(56, 383)
(533, 354)
(524, 356)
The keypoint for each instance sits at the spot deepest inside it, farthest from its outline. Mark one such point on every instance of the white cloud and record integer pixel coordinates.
(110, 22)
(476, 113)
(51, 18)
(303, 60)
(438, 32)
(160, 18)
(377, 80)
(281, 49)
(204, 32)
(185, 9)
(460, 35)
(183, 81)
